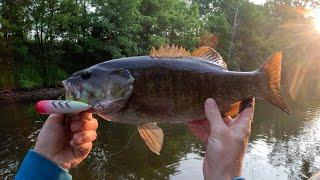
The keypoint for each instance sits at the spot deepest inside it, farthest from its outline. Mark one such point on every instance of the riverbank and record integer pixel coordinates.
(9, 96)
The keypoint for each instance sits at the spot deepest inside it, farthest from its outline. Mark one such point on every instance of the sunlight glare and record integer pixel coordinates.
(315, 14)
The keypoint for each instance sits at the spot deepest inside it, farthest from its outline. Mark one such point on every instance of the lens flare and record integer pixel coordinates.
(315, 14)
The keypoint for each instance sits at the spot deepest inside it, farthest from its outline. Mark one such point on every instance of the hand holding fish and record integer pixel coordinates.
(226, 141)
(67, 142)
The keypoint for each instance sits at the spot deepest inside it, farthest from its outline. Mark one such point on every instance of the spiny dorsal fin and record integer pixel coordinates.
(169, 52)
(152, 136)
(209, 54)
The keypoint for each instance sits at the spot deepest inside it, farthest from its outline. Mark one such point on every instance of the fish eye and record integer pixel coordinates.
(85, 75)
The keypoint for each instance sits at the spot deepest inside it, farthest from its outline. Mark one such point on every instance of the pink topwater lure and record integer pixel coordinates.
(61, 107)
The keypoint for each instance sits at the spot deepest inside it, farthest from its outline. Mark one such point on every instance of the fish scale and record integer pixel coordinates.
(171, 85)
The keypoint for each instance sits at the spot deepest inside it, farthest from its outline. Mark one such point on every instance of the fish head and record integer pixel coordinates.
(106, 89)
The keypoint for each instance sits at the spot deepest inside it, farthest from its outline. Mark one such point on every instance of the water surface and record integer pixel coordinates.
(281, 147)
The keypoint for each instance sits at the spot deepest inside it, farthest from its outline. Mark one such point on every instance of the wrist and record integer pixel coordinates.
(210, 174)
(230, 168)
(45, 154)
(238, 178)
(223, 170)
(219, 163)
(36, 166)
(41, 152)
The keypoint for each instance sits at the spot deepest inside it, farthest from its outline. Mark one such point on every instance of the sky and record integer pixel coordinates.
(258, 1)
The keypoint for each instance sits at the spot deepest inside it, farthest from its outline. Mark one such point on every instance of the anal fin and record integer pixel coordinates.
(152, 136)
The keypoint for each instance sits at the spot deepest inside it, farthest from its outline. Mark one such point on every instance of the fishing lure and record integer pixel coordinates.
(61, 107)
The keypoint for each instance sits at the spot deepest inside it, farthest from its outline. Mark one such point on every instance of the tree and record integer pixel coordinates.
(115, 26)
(169, 22)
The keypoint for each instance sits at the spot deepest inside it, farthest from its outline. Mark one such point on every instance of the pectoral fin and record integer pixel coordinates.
(238, 107)
(152, 136)
(233, 110)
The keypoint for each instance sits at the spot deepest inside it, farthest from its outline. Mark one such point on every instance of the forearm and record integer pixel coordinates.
(37, 167)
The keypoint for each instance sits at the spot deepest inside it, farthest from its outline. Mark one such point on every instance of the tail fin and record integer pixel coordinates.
(271, 76)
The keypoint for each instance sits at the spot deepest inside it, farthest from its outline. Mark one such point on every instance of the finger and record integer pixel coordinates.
(253, 102)
(85, 115)
(55, 118)
(83, 148)
(85, 125)
(84, 136)
(82, 116)
(201, 129)
(75, 117)
(228, 120)
(244, 118)
(213, 115)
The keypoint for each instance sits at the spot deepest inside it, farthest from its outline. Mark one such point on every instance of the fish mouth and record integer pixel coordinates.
(72, 90)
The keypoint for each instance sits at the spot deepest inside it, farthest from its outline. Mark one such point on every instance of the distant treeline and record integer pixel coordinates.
(43, 41)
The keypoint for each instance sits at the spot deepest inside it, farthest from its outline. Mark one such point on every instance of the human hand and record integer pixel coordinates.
(226, 141)
(67, 142)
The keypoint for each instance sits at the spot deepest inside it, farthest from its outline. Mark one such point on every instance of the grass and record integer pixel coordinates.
(30, 74)
(7, 77)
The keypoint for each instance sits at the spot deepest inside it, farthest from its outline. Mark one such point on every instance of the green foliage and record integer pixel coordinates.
(54, 75)
(7, 76)
(252, 36)
(41, 42)
(169, 22)
(32, 75)
(218, 25)
(29, 76)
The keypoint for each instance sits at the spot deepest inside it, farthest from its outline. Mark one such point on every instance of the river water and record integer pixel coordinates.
(281, 146)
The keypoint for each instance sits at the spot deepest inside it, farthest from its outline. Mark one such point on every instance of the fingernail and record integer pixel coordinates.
(210, 102)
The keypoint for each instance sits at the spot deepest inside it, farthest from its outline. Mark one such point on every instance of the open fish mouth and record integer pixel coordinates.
(72, 90)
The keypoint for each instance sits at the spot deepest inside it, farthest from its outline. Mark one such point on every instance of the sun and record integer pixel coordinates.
(315, 14)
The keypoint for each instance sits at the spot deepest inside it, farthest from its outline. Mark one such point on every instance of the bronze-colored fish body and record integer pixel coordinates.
(174, 90)
(171, 85)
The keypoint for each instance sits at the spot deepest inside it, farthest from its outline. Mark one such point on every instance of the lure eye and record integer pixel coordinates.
(85, 75)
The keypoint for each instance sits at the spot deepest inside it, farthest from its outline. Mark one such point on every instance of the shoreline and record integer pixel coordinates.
(13, 96)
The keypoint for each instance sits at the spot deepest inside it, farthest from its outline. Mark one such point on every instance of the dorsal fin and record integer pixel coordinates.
(209, 54)
(169, 52)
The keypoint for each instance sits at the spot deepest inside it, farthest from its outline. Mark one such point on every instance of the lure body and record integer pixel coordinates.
(61, 107)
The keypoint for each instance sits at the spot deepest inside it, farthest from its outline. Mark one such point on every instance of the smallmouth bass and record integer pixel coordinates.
(171, 85)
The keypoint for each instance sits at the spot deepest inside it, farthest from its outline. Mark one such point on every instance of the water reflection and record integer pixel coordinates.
(136, 161)
(284, 147)
(281, 146)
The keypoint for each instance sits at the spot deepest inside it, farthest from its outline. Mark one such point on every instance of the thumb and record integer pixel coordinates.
(244, 119)
(213, 115)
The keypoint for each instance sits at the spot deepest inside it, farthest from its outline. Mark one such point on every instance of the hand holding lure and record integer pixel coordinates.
(61, 107)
